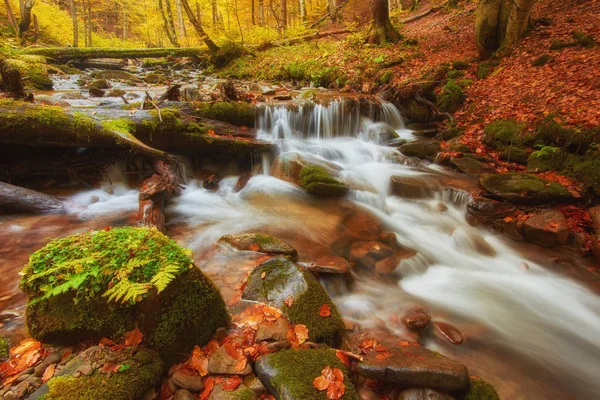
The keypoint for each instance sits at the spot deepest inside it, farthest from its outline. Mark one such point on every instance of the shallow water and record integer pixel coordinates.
(531, 332)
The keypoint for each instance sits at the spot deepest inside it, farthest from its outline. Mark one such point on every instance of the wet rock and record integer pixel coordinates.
(241, 392)
(52, 358)
(425, 149)
(595, 216)
(423, 394)
(100, 84)
(210, 183)
(470, 238)
(273, 331)
(76, 95)
(485, 211)
(116, 93)
(360, 224)
(373, 249)
(416, 318)
(223, 363)
(185, 313)
(183, 394)
(95, 92)
(524, 188)
(410, 187)
(289, 374)
(193, 383)
(327, 264)
(547, 229)
(448, 332)
(242, 181)
(86, 370)
(276, 279)
(17, 199)
(366, 393)
(413, 365)
(156, 79)
(470, 166)
(389, 264)
(318, 181)
(381, 132)
(255, 384)
(512, 228)
(115, 75)
(261, 243)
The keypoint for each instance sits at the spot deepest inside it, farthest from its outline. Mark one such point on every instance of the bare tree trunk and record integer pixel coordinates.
(302, 6)
(198, 14)
(382, 31)
(253, 12)
(283, 18)
(261, 12)
(85, 24)
(209, 43)
(182, 32)
(11, 16)
(25, 21)
(214, 12)
(170, 18)
(332, 6)
(170, 33)
(75, 29)
(90, 23)
(237, 17)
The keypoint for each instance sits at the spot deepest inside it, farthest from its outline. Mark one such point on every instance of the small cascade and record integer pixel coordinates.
(349, 117)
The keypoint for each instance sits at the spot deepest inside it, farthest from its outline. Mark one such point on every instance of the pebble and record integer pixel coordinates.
(183, 394)
(86, 370)
(192, 383)
(76, 374)
(448, 332)
(10, 396)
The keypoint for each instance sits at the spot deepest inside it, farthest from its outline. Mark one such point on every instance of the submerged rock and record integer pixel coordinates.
(471, 166)
(426, 149)
(422, 394)
(317, 180)
(480, 210)
(524, 188)
(416, 318)
(448, 332)
(261, 243)
(411, 364)
(548, 229)
(116, 75)
(277, 279)
(289, 374)
(112, 280)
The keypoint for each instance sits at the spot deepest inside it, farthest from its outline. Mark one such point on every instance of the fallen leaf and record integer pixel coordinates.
(231, 383)
(289, 301)
(263, 275)
(404, 344)
(209, 384)
(106, 342)
(343, 357)
(109, 368)
(48, 373)
(301, 332)
(133, 337)
(325, 311)
(199, 361)
(254, 247)
(241, 364)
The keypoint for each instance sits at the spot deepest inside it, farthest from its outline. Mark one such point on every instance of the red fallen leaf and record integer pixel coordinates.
(165, 392)
(508, 219)
(338, 374)
(383, 355)
(233, 351)
(266, 397)
(48, 373)
(301, 332)
(254, 247)
(263, 348)
(336, 390)
(325, 311)
(199, 361)
(289, 301)
(231, 383)
(404, 344)
(321, 382)
(209, 384)
(241, 364)
(107, 228)
(343, 357)
(106, 342)
(109, 368)
(133, 337)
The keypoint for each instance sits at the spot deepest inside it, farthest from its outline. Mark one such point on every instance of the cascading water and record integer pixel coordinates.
(529, 331)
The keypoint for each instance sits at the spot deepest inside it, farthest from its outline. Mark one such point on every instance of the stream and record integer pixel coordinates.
(529, 330)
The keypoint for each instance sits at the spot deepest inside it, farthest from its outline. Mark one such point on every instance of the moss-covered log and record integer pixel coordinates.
(73, 53)
(18, 199)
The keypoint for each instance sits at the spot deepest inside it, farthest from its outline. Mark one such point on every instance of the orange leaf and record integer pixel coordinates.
(321, 382)
(231, 383)
(199, 361)
(254, 247)
(343, 357)
(338, 374)
(241, 364)
(289, 301)
(325, 311)
(336, 390)
(133, 337)
(106, 342)
(404, 344)
(209, 384)
(383, 355)
(109, 368)
(301, 332)
(48, 373)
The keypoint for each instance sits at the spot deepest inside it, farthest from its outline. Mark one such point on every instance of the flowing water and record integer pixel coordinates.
(531, 332)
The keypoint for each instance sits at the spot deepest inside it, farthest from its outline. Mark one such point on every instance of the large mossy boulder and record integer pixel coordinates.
(261, 243)
(105, 283)
(277, 279)
(317, 180)
(235, 112)
(289, 374)
(503, 132)
(546, 159)
(38, 78)
(524, 188)
(137, 373)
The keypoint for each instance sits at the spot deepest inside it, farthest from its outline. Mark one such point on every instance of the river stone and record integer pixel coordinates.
(548, 229)
(471, 166)
(115, 75)
(524, 188)
(185, 313)
(328, 264)
(410, 187)
(318, 180)
(242, 392)
(412, 365)
(423, 394)
(480, 210)
(274, 331)
(278, 278)
(448, 332)
(380, 132)
(223, 363)
(193, 383)
(261, 243)
(416, 318)
(255, 384)
(426, 149)
(289, 374)
(595, 216)
(183, 394)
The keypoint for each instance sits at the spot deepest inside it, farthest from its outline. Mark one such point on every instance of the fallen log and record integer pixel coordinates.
(339, 7)
(79, 53)
(423, 14)
(15, 199)
(301, 39)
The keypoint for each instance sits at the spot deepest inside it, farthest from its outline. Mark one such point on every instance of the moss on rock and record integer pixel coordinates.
(426, 149)
(99, 84)
(317, 180)
(237, 113)
(524, 188)
(451, 98)
(504, 132)
(4, 348)
(546, 159)
(480, 390)
(102, 284)
(519, 154)
(589, 173)
(37, 78)
(155, 79)
(115, 75)
(130, 384)
(290, 373)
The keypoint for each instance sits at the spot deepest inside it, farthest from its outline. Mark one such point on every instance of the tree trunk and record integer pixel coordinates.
(237, 18)
(25, 21)
(209, 43)
(332, 7)
(75, 29)
(253, 12)
(11, 16)
(90, 24)
(261, 12)
(20, 200)
(214, 13)
(124, 18)
(500, 23)
(70, 53)
(382, 31)
(182, 31)
(283, 17)
(198, 14)
(302, 5)
(12, 82)
(170, 34)
(170, 18)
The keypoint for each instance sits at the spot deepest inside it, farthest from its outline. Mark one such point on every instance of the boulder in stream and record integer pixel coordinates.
(277, 279)
(524, 188)
(426, 149)
(261, 243)
(289, 374)
(317, 180)
(548, 229)
(102, 284)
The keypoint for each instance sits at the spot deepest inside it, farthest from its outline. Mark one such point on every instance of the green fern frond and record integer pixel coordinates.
(125, 291)
(163, 277)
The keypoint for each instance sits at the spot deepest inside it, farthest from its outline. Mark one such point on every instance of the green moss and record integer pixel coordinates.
(460, 65)
(451, 98)
(561, 44)
(4, 348)
(519, 154)
(411, 42)
(116, 93)
(546, 159)
(504, 132)
(455, 74)
(584, 40)
(589, 173)
(385, 77)
(480, 390)
(541, 60)
(131, 384)
(99, 84)
(524, 188)
(297, 369)
(37, 78)
(237, 113)
(114, 75)
(317, 180)
(155, 78)
(552, 133)
(485, 68)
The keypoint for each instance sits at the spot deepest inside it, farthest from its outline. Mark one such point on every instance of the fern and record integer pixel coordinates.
(163, 277)
(125, 291)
